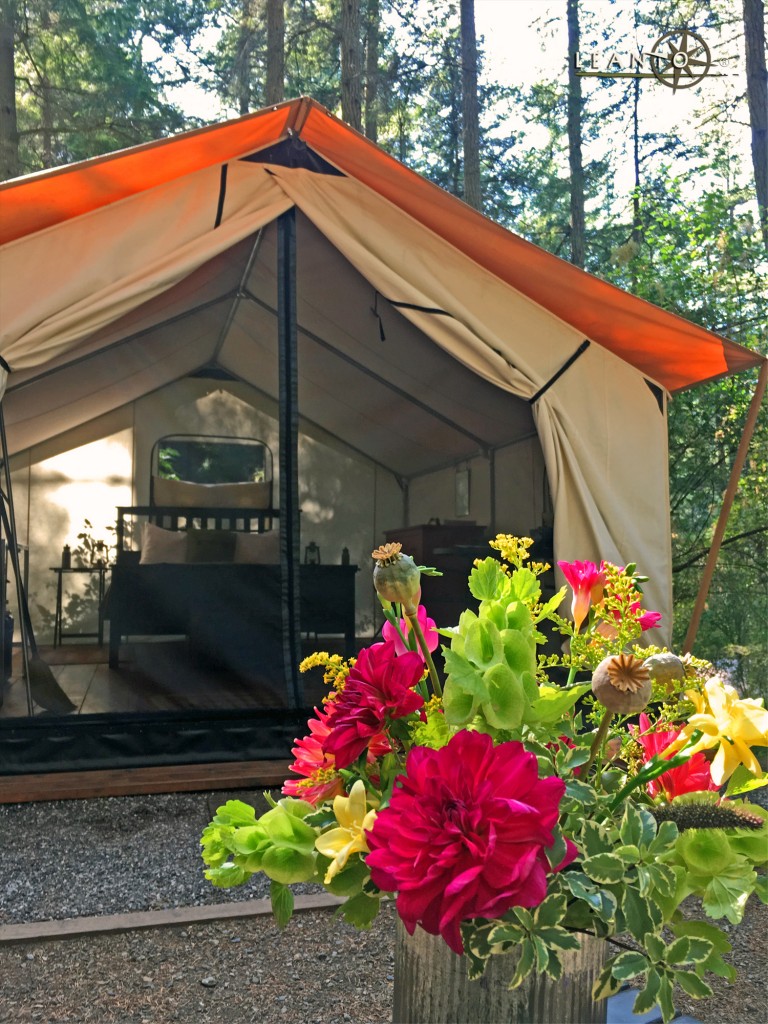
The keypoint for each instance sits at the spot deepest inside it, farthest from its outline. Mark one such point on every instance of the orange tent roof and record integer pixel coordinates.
(667, 348)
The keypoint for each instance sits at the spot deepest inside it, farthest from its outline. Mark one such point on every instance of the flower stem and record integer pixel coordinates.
(597, 742)
(414, 621)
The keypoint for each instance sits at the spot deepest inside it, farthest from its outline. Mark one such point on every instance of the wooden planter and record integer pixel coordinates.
(431, 987)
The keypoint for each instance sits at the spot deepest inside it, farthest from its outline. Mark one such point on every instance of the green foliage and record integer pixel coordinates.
(87, 79)
(280, 843)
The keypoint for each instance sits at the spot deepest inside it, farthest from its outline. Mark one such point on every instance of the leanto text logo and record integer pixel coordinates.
(679, 60)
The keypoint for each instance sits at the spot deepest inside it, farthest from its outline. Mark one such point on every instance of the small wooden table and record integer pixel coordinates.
(58, 632)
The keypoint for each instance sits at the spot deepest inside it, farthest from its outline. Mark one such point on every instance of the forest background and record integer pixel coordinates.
(663, 192)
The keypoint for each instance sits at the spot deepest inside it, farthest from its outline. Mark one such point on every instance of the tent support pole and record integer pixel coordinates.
(730, 494)
(288, 420)
(492, 488)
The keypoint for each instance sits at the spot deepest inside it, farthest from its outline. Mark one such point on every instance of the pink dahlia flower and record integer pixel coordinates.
(464, 834)
(587, 583)
(428, 628)
(379, 687)
(691, 777)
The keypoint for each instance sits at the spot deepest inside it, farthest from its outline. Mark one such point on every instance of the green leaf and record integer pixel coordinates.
(554, 968)
(641, 915)
(644, 880)
(351, 880)
(606, 985)
(282, 903)
(666, 1005)
(654, 947)
(554, 702)
(743, 781)
(546, 610)
(666, 837)
(361, 910)
(487, 580)
(638, 826)
(227, 875)
(693, 984)
(557, 851)
(628, 965)
(645, 1000)
(726, 895)
(235, 813)
(595, 839)
(604, 868)
(525, 963)
(662, 876)
(703, 930)
(524, 586)
(581, 792)
(541, 952)
(558, 938)
(551, 911)
(677, 952)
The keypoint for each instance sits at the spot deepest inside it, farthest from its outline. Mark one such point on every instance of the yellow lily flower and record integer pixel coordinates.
(354, 821)
(728, 722)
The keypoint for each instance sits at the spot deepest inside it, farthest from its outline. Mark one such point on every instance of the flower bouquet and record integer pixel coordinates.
(518, 800)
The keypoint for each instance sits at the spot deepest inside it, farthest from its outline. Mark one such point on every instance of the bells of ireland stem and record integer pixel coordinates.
(396, 577)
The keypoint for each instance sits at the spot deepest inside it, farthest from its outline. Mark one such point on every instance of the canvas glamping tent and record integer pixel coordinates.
(286, 251)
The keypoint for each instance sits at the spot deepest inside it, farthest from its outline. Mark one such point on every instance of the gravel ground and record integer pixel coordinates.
(93, 857)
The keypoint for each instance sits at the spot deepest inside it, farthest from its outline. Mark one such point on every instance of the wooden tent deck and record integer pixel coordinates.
(154, 677)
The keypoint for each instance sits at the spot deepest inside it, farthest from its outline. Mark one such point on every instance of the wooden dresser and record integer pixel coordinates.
(451, 548)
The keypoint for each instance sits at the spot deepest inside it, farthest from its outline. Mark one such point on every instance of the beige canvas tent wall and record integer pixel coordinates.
(427, 334)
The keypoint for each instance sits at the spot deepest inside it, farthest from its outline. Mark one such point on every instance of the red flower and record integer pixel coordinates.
(379, 687)
(691, 777)
(587, 583)
(464, 834)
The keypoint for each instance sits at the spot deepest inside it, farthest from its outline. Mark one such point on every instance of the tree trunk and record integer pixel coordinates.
(470, 106)
(757, 98)
(274, 91)
(574, 140)
(372, 71)
(351, 64)
(9, 133)
(245, 44)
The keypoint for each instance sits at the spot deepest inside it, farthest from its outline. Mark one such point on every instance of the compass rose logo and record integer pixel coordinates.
(680, 59)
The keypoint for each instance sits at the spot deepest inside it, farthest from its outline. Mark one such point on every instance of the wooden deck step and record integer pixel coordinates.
(185, 778)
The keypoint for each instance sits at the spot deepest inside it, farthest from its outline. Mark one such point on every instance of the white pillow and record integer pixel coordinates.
(183, 494)
(258, 548)
(159, 545)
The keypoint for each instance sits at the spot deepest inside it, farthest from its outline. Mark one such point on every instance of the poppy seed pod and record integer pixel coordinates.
(622, 683)
(397, 578)
(665, 668)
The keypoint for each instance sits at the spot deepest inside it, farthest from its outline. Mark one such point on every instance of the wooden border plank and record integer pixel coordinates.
(75, 927)
(140, 781)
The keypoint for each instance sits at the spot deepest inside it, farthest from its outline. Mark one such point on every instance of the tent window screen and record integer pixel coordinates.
(211, 460)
